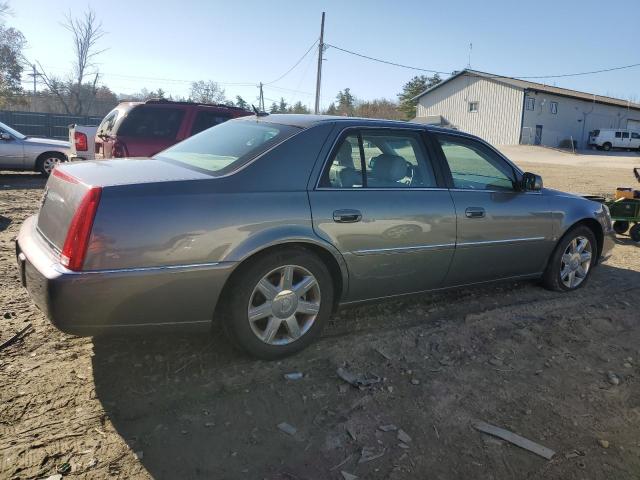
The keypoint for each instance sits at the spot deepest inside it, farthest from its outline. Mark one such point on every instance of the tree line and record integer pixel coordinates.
(81, 92)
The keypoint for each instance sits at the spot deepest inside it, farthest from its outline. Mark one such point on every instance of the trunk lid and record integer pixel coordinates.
(69, 184)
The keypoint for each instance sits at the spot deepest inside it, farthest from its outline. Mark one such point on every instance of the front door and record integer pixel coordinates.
(379, 203)
(503, 232)
(538, 139)
(11, 151)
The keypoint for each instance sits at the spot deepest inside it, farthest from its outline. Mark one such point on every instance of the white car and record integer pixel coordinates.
(19, 152)
(607, 139)
(82, 139)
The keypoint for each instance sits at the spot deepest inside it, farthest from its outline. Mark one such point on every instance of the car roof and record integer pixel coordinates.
(310, 120)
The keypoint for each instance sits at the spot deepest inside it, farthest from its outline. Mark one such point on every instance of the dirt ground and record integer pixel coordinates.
(187, 406)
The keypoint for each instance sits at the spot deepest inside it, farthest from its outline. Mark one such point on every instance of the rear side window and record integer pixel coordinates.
(152, 122)
(618, 134)
(625, 134)
(106, 126)
(379, 159)
(635, 135)
(206, 120)
(596, 133)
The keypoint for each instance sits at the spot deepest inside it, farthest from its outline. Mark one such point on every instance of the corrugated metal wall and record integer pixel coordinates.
(499, 108)
(574, 119)
(49, 125)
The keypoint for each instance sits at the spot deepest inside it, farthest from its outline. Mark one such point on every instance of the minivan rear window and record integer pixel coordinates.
(152, 122)
(227, 146)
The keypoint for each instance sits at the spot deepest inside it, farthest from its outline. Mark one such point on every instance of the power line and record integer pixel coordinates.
(562, 75)
(294, 65)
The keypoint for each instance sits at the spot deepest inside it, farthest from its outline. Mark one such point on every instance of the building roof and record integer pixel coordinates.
(538, 87)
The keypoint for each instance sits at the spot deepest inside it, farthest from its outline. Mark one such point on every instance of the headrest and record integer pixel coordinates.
(344, 177)
(389, 167)
(343, 156)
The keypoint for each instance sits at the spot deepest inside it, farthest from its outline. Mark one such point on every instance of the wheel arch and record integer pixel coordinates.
(327, 253)
(594, 226)
(42, 156)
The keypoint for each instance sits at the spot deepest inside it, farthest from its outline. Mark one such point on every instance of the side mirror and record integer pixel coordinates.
(5, 136)
(531, 182)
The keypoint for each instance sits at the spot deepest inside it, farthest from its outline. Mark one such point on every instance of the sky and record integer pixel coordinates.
(168, 44)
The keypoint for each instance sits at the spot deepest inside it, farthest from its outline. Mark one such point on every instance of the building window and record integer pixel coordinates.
(531, 103)
(473, 107)
(554, 107)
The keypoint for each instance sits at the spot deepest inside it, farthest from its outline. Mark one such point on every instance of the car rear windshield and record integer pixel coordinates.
(152, 122)
(227, 146)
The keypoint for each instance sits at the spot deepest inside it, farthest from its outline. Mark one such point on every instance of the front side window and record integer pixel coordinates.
(474, 166)
(554, 108)
(473, 107)
(379, 159)
(106, 126)
(531, 103)
(152, 122)
(206, 120)
(227, 146)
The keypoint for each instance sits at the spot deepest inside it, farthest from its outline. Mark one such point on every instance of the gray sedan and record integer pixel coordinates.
(267, 224)
(19, 152)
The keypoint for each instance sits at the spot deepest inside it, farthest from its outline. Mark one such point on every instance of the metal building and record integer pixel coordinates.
(508, 111)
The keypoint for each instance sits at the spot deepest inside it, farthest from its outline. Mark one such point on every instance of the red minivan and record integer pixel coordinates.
(142, 129)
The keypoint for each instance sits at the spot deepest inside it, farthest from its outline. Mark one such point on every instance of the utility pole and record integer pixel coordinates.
(319, 77)
(35, 76)
(261, 99)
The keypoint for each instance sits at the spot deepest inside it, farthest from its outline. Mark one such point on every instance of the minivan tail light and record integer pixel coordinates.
(77, 240)
(119, 149)
(80, 141)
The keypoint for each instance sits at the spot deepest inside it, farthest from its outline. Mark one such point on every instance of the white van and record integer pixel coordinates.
(614, 138)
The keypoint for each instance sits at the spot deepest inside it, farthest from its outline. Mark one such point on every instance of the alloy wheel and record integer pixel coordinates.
(576, 262)
(284, 305)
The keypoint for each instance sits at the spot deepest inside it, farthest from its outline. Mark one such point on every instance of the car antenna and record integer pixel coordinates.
(258, 112)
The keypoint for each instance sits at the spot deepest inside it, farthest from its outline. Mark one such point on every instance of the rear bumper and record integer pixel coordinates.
(87, 303)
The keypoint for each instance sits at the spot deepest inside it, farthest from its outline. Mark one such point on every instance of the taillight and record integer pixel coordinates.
(80, 141)
(77, 241)
(119, 149)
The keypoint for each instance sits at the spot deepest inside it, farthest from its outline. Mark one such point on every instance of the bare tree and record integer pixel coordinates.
(207, 92)
(78, 92)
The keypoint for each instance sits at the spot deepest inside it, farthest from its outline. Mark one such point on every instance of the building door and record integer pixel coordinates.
(538, 139)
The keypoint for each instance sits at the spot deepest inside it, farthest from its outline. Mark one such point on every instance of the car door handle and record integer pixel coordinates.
(347, 216)
(474, 212)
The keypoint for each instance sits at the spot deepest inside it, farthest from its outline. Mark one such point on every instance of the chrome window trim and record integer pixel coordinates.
(515, 192)
(339, 136)
(61, 269)
(374, 189)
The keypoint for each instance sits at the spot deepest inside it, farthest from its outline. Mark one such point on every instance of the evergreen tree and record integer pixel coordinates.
(411, 89)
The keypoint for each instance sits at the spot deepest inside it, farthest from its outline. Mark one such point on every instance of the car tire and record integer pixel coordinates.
(634, 233)
(606, 146)
(47, 162)
(568, 269)
(284, 320)
(620, 226)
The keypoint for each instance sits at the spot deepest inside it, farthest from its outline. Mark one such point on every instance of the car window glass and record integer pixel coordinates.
(396, 160)
(618, 134)
(151, 122)
(344, 169)
(206, 120)
(635, 135)
(106, 126)
(474, 166)
(625, 134)
(227, 146)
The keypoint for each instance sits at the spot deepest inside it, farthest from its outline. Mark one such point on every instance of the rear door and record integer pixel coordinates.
(502, 231)
(635, 140)
(380, 201)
